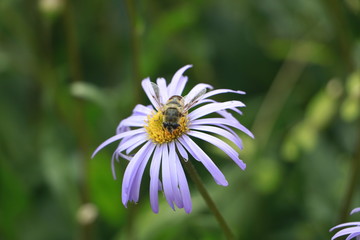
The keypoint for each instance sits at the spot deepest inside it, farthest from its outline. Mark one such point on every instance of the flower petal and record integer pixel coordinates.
(163, 90)
(131, 171)
(218, 91)
(174, 175)
(142, 110)
(355, 210)
(181, 85)
(220, 144)
(135, 145)
(166, 178)
(139, 138)
(228, 119)
(184, 187)
(213, 107)
(219, 121)
(113, 165)
(150, 93)
(201, 156)
(135, 185)
(154, 179)
(177, 81)
(195, 91)
(133, 121)
(124, 156)
(202, 101)
(345, 225)
(239, 142)
(182, 151)
(232, 137)
(117, 137)
(353, 235)
(346, 231)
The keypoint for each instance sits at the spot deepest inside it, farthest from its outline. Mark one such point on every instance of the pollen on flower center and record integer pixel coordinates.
(158, 134)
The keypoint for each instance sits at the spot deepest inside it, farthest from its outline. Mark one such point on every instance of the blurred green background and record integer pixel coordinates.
(71, 70)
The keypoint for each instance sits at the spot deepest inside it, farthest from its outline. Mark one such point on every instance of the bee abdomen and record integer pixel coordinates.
(171, 118)
(171, 114)
(170, 126)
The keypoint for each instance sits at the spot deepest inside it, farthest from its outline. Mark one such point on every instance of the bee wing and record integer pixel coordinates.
(157, 94)
(194, 100)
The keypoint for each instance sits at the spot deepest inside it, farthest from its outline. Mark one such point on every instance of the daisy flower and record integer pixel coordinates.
(164, 132)
(353, 230)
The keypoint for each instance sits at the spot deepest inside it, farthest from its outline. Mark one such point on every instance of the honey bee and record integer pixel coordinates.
(175, 107)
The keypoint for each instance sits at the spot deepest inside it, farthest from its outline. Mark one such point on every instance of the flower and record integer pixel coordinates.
(164, 133)
(353, 231)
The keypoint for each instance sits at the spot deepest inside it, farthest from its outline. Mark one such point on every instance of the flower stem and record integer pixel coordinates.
(190, 169)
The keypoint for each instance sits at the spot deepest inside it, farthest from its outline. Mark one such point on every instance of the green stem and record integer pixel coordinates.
(190, 169)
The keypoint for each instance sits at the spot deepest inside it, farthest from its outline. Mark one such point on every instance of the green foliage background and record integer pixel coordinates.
(71, 70)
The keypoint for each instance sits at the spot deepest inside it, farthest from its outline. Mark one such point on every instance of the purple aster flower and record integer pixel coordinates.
(353, 229)
(163, 134)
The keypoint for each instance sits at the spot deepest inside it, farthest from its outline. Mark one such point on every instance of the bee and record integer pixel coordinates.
(173, 111)
(175, 107)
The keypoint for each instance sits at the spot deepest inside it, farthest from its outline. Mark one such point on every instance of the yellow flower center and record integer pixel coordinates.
(159, 134)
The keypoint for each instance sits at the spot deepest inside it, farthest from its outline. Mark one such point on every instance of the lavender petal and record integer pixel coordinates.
(201, 156)
(113, 165)
(142, 110)
(166, 178)
(124, 156)
(345, 232)
(163, 90)
(219, 121)
(150, 93)
(345, 225)
(173, 86)
(131, 141)
(353, 235)
(195, 91)
(135, 145)
(174, 175)
(135, 186)
(131, 170)
(219, 91)
(154, 179)
(239, 142)
(181, 85)
(116, 138)
(213, 107)
(219, 131)
(220, 144)
(184, 187)
(134, 121)
(355, 210)
(182, 151)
